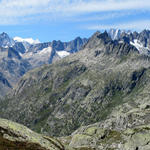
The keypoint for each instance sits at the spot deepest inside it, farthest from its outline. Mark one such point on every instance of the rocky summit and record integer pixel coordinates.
(96, 98)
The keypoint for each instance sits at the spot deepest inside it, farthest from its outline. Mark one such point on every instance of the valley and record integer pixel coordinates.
(95, 98)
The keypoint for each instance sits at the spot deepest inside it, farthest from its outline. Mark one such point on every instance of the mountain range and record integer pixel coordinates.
(21, 55)
(95, 98)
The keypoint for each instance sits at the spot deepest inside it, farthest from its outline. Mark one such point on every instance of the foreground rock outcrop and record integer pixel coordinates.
(14, 136)
(93, 137)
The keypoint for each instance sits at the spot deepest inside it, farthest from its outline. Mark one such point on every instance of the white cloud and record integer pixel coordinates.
(88, 6)
(18, 11)
(133, 25)
(29, 40)
(16, 8)
(83, 6)
(30, 7)
(100, 17)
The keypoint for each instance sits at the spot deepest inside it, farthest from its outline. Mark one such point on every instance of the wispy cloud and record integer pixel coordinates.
(135, 25)
(84, 6)
(18, 11)
(17, 8)
(101, 17)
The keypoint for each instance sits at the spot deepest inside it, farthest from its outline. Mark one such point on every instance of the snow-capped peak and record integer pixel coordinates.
(28, 40)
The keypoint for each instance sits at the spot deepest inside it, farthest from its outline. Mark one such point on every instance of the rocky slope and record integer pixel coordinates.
(14, 136)
(81, 89)
(93, 137)
(12, 67)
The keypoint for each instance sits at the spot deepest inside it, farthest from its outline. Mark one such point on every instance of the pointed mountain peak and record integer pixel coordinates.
(4, 35)
(146, 30)
(104, 36)
(96, 34)
(78, 38)
(97, 39)
(5, 40)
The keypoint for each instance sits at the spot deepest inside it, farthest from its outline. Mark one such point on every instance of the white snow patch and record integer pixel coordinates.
(62, 54)
(140, 47)
(21, 54)
(43, 53)
(29, 40)
(120, 41)
(45, 50)
(116, 34)
(6, 46)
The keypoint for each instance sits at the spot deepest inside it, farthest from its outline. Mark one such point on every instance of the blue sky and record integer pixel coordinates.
(64, 20)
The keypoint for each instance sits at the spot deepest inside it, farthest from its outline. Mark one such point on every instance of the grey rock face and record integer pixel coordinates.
(5, 40)
(19, 47)
(95, 137)
(140, 40)
(46, 53)
(12, 67)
